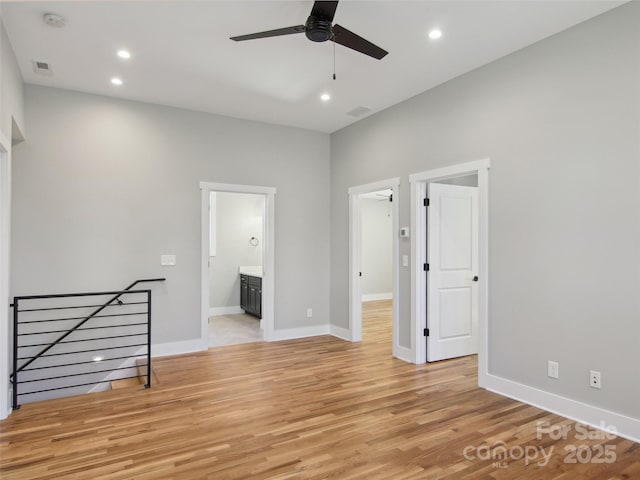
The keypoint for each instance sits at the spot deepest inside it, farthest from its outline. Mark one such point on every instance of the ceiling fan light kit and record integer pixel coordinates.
(319, 27)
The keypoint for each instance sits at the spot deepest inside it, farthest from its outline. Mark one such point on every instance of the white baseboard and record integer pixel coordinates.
(343, 333)
(627, 427)
(404, 354)
(301, 332)
(177, 348)
(371, 297)
(215, 311)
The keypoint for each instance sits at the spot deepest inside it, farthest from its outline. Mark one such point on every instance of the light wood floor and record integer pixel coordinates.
(305, 409)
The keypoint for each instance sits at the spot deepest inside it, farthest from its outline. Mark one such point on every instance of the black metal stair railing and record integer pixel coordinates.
(68, 343)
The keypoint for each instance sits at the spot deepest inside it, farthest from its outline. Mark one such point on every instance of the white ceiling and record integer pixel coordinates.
(182, 55)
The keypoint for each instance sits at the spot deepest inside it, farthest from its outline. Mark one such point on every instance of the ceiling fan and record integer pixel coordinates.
(319, 28)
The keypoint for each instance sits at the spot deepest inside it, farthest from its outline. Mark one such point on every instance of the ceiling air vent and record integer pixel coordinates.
(42, 68)
(359, 111)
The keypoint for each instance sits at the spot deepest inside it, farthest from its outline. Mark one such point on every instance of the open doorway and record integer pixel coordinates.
(237, 279)
(374, 275)
(235, 267)
(461, 288)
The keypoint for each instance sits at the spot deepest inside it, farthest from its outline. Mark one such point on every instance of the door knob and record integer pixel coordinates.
(475, 278)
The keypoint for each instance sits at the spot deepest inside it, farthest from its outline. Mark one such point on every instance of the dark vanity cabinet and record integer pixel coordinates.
(251, 295)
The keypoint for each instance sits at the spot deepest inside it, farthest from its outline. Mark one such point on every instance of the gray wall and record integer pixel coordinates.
(238, 217)
(376, 234)
(12, 129)
(560, 121)
(103, 187)
(11, 90)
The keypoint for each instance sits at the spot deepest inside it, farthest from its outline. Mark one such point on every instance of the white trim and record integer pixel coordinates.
(389, 183)
(418, 182)
(340, 332)
(268, 254)
(213, 228)
(626, 427)
(404, 353)
(355, 247)
(355, 302)
(235, 310)
(5, 238)
(452, 171)
(233, 188)
(372, 297)
(177, 348)
(300, 332)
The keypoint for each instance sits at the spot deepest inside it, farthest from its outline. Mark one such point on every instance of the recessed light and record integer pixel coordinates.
(435, 34)
(116, 81)
(124, 54)
(97, 358)
(325, 97)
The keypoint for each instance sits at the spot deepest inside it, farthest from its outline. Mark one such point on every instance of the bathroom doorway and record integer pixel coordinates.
(237, 273)
(235, 267)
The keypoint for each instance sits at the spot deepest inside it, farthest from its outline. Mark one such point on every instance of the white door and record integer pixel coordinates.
(452, 257)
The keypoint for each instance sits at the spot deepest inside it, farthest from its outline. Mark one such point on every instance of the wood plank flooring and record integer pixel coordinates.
(318, 408)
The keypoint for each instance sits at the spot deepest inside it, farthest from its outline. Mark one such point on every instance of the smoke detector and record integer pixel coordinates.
(54, 20)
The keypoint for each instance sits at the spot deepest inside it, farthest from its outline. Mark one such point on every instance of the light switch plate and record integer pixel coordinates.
(168, 260)
(405, 260)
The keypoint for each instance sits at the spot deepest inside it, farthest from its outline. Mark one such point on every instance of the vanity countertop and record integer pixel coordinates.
(253, 271)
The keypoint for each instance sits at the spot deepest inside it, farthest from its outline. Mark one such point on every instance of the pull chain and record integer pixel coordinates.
(334, 59)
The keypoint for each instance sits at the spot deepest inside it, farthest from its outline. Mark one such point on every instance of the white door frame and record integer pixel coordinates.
(418, 182)
(355, 254)
(5, 237)
(268, 264)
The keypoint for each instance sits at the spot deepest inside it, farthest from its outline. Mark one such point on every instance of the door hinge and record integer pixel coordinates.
(426, 332)
(426, 202)
(426, 267)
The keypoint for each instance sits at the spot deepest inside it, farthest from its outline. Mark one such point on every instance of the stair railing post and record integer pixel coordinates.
(14, 377)
(148, 384)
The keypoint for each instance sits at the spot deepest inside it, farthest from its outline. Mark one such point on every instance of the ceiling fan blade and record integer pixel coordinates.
(349, 39)
(270, 33)
(324, 10)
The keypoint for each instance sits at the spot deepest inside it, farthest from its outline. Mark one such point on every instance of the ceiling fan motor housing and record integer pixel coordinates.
(318, 30)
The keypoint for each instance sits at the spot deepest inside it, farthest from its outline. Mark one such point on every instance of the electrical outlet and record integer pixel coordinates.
(309, 312)
(553, 369)
(595, 379)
